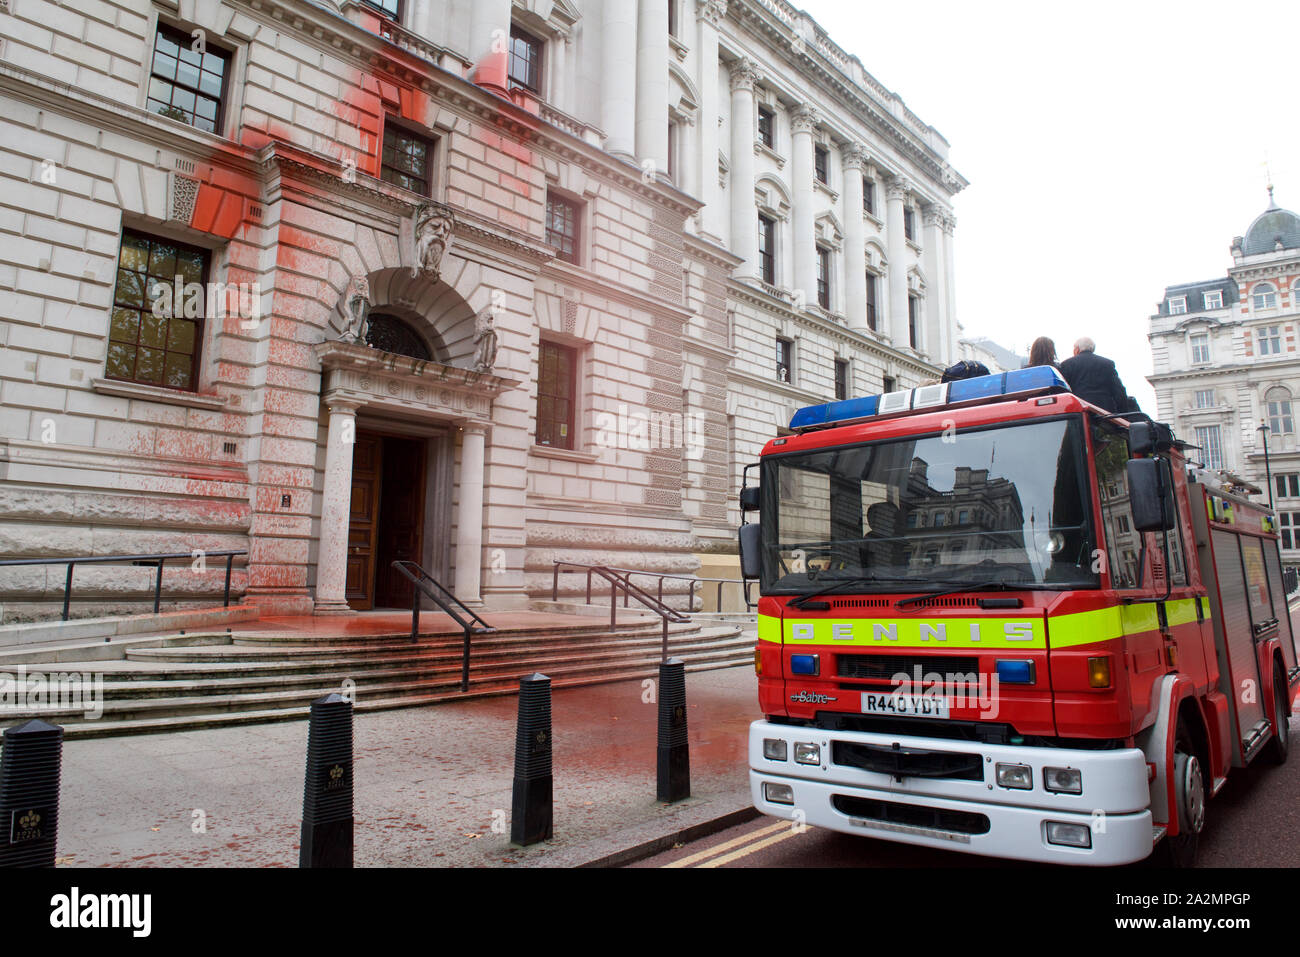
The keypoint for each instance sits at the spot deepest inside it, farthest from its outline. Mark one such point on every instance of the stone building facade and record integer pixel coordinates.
(475, 285)
(1226, 365)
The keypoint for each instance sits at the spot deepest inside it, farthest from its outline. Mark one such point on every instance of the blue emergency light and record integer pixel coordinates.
(1007, 385)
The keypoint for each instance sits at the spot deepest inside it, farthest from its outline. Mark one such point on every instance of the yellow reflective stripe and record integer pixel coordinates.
(1024, 633)
(1080, 628)
(1086, 627)
(1181, 612)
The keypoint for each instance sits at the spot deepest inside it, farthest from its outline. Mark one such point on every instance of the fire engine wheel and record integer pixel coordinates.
(1277, 747)
(1189, 793)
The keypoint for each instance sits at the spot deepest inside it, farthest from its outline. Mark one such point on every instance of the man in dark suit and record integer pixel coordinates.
(1094, 379)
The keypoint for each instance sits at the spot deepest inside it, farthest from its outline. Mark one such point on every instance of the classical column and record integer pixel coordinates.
(469, 513)
(652, 57)
(949, 288)
(936, 303)
(489, 43)
(803, 241)
(744, 215)
(855, 238)
(336, 508)
(896, 195)
(558, 91)
(709, 15)
(618, 77)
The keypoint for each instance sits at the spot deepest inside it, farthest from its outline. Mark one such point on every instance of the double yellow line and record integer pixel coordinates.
(743, 846)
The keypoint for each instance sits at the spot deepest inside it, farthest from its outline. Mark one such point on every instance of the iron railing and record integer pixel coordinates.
(620, 579)
(661, 576)
(472, 625)
(154, 557)
(1291, 580)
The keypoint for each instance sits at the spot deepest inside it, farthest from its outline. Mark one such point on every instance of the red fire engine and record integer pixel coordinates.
(996, 619)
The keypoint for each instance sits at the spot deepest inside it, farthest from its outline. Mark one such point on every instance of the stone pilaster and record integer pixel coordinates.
(469, 514)
(709, 15)
(896, 196)
(619, 76)
(652, 58)
(744, 214)
(856, 161)
(336, 508)
(803, 241)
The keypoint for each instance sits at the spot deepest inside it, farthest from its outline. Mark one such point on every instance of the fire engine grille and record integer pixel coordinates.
(884, 667)
(908, 762)
(912, 815)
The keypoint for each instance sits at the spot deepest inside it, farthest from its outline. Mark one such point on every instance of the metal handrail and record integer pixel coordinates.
(466, 626)
(620, 578)
(157, 557)
(694, 580)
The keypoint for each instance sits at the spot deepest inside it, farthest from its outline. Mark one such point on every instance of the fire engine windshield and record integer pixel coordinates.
(993, 505)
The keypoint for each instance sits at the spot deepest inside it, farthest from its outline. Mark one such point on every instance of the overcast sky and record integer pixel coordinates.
(1112, 148)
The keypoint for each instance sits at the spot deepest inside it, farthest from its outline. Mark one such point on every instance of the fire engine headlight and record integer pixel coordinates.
(1069, 835)
(774, 749)
(777, 793)
(1063, 780)
(1019, 776)
(807, 753)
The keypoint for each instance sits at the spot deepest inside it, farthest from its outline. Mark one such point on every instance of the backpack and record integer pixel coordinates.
(966, 369)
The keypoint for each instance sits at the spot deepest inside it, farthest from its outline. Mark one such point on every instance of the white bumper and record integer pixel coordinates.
(987, 819)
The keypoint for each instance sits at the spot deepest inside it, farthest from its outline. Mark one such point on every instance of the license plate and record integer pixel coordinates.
(905, 705)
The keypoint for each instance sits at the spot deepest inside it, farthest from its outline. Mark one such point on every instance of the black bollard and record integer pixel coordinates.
(29, 794)
(674, 750)
(530, 806)
(327, 795)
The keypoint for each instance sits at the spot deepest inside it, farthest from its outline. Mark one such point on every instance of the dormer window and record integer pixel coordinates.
(1214, 300)
(1178, 305)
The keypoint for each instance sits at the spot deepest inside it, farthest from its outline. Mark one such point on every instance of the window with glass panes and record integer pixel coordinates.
(1278, 405)
(557, 378)
(766, 126)
(1287, 485)
(767, 249)
(1208, 438)
(871, 302)
(1200, 348)
(821, 165)
(562, 227)
(1270, 340)
(909, 223)
(390, 8)
(841, 379)
(1289, 527)
(1214, 300)
(868, 196)
(1205, 398)
(186, 84)
(525, 67)
(154, 336)
(406, 160)
(784, 360)
(913, 315)
(823, 277)
(1264, 296)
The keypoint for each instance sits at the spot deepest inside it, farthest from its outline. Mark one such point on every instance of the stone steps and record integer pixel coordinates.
(195, 685)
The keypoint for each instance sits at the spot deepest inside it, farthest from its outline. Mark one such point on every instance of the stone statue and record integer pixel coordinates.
(433, 226)
(485, 341)
(356, 306)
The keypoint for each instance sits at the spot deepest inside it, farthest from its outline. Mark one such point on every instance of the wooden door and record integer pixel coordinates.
(401, 519)
(363, 525)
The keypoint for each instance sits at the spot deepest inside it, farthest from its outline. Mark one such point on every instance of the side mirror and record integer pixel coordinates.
(749, 499)
(751, 541)
(1141, 439)
(1149, 488)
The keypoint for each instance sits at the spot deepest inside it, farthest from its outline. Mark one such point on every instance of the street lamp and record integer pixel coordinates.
(1268, 474)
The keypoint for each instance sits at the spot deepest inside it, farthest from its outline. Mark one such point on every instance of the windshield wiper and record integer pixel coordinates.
(844, 583)
(970, 586)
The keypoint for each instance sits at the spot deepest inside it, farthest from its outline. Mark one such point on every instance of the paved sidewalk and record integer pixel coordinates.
(429, 782)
